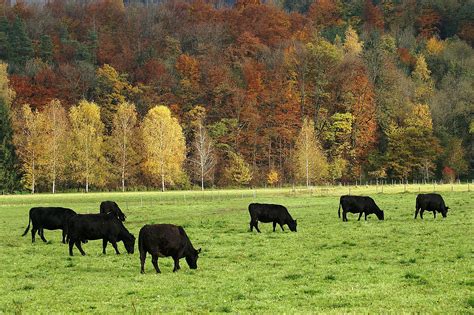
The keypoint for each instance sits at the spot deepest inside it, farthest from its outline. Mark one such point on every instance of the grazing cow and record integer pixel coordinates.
(164, 240)
(358, 204)
(264, 212)
(112, 207)
(50, 218)
(430, 202)
(83, 227)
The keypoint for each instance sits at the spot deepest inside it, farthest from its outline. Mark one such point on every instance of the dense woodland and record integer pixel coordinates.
(102, 95)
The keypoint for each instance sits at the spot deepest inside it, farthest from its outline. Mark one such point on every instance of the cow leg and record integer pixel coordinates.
(360, 215)
(176, 264)
(71, 244)
(41, 234)
(344, 215)
(251, 225)
(434, 213)
(256, 226)
(104, 245)
(281, 225)
(421, 213)
(274, 226)
(64, 236)
(114, 244)
(78, 245)
(33, 233)
(365, 214)
(142, 261)
(154, 261)
(416, 212)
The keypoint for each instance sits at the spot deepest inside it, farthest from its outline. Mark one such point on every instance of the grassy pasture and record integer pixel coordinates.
(396, 265)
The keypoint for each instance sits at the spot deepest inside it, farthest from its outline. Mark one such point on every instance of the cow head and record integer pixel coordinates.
(292, 225)
(445, 212)
(129, 243)
(379, 215)
(192, 258)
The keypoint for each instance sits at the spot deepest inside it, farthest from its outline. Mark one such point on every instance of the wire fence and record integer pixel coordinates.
(189, 198)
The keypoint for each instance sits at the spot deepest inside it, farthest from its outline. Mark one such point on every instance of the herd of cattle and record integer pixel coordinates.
(168, 240)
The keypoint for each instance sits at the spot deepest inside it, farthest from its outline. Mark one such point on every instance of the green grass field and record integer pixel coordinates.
(397, 265)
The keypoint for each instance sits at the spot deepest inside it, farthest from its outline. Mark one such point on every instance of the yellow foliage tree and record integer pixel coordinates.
(29, 143)
(54, 131)
(122, 143)
(352, 45)
(434, 46)
(311, 164)
(87, 157)
(238, 171)
(164, 145)
(273, 177)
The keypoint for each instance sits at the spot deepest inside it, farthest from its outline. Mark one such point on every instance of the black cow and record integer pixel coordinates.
(83, 227)
(358, 204)
(50, 218)
(430, 202)
(164, 240)
(112, 207)
(264, 212)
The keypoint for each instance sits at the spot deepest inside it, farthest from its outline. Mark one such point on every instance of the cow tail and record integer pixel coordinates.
(339, 210)
(28, 227)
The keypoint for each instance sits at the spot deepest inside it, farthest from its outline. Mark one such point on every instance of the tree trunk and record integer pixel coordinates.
(54, 186)
(162, 182)
(87, 184)
(202, 177)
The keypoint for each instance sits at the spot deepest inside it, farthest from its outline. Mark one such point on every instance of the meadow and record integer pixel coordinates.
(397, 265)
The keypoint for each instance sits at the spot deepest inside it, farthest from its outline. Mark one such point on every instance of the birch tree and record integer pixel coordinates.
(29, 143)
(203, 157)
(122, 141)
(87, 143)
(55, 128)
(164, 145)
(311, 164)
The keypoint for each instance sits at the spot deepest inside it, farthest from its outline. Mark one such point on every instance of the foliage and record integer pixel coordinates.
(164, 145)
(311, 164)
(258, 67)
(87, 156)
(123, 143)
(29, 144)
(237, 170)
(273, 177)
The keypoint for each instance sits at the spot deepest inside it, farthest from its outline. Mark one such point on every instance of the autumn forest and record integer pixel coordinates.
(102, 95)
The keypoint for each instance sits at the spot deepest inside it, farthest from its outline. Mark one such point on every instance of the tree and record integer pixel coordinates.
(352, 45)
(8, 169)
(164, 145)
(412, 147)
(123, 141)
(87, 143)
(29, 143)
(455, 157)
(311, 164)
(203, 156)
(112, 89)
(238, 171)
(273, 177)
(54, 133)
(20, 46)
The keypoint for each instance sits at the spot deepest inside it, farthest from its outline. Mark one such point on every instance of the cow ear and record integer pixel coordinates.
(199, 250)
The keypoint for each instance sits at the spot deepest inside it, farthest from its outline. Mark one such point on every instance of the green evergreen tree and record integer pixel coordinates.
(4, 45)
(8, 172)
(46, 48)
(21, 48)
